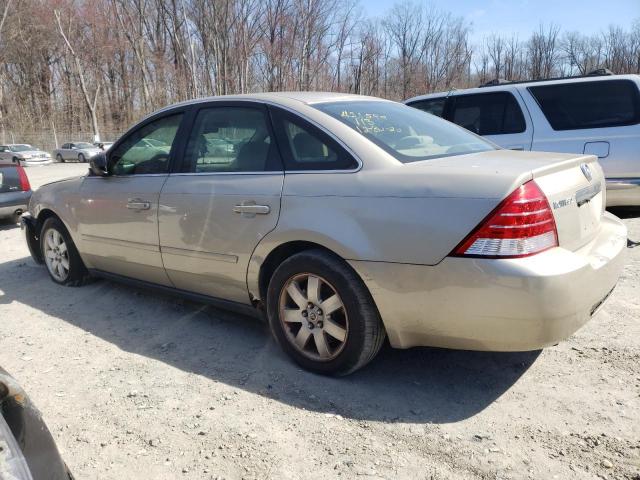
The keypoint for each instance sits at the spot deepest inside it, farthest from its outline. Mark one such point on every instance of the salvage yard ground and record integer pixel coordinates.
(138, 385)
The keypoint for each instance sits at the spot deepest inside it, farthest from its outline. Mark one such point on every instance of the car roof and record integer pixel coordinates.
(284, 99)
(513, 85)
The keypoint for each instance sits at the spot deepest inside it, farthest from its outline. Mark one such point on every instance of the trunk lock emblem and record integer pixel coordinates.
(586, 171)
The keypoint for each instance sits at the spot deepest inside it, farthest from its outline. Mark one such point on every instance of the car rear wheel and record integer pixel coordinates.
(81, 158)
(60, 255)
(322, 314)
(59, 158)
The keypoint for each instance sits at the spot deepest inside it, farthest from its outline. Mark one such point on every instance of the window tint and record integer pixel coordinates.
(231, 139)
(147, 149)
(488, 113)
(434, 106)
(571, 106)
(66, 145)
(407, 133)
(308, 148)
(9, 179)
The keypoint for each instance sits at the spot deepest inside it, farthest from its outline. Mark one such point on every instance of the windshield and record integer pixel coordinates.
(406, 133)
(84, 145)
(20, 148)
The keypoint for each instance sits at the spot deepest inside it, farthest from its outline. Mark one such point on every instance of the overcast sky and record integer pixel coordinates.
(523, 16)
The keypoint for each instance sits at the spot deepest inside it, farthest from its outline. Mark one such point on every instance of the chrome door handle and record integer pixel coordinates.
(137, 204)
(251, 209)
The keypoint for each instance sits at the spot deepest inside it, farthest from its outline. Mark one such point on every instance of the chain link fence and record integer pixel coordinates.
(48, 141)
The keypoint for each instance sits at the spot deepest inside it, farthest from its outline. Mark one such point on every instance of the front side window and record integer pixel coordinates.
(434, 106)
(488, 113)
(146, 150)
(407, 133)
(230, 139)
(582, 105)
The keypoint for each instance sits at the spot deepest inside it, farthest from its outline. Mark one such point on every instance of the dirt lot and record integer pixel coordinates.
(137, 385)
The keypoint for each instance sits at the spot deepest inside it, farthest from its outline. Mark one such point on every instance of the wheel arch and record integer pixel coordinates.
(275, 257)
(266, 259)
(44, 215)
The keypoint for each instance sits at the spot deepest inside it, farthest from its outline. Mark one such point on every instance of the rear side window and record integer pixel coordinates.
(231, 139)
(305, 147)
(572, 106)
(434, 106)
(9, 179)
(488, 113)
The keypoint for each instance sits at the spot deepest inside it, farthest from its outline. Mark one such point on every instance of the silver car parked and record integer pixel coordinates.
(76, 151)
(344, 219)
(24, 154)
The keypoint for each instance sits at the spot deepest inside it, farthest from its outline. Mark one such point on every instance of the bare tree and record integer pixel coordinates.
(90, 100)
(82, 76)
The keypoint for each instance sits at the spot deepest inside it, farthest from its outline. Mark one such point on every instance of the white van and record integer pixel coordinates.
(595, 114)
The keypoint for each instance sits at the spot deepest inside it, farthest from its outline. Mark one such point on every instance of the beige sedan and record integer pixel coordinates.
(344, 219)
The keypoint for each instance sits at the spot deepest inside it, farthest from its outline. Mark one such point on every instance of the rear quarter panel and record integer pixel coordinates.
(359, 220)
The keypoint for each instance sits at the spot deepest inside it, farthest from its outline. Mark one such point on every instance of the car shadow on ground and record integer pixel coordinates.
(426, 385)
(7, 224)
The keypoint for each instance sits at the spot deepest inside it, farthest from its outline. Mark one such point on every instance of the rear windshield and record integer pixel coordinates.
(20, 148)
(9, 179)
(572, 106)
(406, 133)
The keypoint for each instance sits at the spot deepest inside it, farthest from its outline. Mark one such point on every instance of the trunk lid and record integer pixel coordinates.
(577, 196)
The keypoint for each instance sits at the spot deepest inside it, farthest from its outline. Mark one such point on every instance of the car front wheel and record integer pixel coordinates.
(322, 314)
(81, 158)
(60, 255)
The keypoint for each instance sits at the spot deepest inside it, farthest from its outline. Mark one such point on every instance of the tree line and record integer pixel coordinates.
(98, 65)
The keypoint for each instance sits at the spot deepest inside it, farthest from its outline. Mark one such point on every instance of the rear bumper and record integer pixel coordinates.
(498, 305)
(13, 202)
(623, 192)
(33, 163)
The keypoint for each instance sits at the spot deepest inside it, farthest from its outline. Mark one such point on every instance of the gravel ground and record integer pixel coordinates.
(134, 384)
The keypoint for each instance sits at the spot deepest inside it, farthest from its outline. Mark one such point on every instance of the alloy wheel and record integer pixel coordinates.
(313, 316)
(56, 255)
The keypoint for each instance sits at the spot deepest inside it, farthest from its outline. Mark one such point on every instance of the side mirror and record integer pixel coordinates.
(98, 165)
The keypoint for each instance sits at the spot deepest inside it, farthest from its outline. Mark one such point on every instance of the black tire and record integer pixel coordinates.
(59, 158)
(366, 332)
(81, 158)
(77, 272)
(16, 160)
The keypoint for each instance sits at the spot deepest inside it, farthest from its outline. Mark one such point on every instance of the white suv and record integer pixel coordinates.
(599, 115)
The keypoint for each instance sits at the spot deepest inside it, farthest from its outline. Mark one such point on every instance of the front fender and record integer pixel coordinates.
(60, 198)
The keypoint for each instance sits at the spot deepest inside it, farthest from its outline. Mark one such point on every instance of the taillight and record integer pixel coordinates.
(520, 226)
(24, 181)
